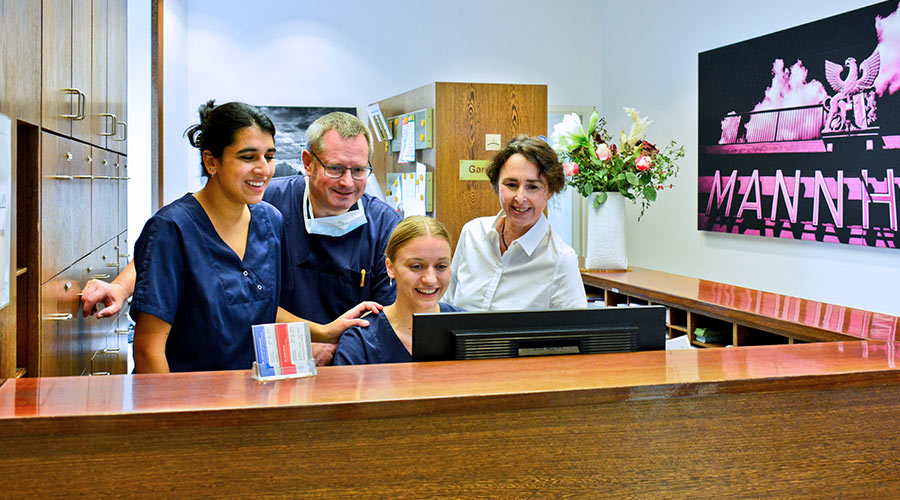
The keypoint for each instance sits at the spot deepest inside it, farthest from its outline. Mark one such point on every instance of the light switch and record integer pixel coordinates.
(491, 142)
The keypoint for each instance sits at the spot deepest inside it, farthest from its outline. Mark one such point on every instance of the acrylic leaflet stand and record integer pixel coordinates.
(283, 350)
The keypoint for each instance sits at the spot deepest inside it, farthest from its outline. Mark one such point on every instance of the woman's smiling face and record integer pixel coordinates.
(523, 193)
(422, 270)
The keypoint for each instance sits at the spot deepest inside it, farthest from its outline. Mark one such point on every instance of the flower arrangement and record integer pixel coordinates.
(593, 164)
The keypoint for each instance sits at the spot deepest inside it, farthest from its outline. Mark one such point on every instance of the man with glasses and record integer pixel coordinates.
(334, 234)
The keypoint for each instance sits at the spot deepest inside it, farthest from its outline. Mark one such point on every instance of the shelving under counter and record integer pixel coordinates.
(745, 316)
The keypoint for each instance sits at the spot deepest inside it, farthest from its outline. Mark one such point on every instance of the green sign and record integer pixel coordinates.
(473, 170)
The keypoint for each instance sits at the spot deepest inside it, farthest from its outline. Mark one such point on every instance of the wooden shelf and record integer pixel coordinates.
(754, 317)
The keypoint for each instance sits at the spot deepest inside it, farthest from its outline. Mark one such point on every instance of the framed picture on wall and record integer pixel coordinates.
(291, 123)
(799, 132)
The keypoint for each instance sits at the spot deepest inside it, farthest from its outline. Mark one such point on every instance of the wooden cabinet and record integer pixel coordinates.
(66, 67)
(108, 70)
(65, 192)
(80, 186)
(121, 165)
(104, 197)
(463, 113)
(117, 84)
(83, 67)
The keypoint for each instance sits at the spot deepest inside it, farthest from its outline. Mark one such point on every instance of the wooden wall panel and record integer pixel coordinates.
(20, 99)
(463, 114)
(468, 111)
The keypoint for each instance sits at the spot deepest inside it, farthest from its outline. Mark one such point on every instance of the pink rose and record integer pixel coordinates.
(603, 152)
(570, 168)
(643, 163)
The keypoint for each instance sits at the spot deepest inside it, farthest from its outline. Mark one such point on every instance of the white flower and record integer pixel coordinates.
(638, 128)
(568, 134)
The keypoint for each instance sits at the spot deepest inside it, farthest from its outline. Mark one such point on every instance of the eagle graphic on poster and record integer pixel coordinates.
(850, 92)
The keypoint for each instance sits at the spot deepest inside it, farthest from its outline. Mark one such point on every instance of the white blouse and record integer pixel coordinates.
(538, 271)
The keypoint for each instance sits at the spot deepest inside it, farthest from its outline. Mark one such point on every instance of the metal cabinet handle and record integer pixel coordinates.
(79, 115)
(106, 177)
(112, 264)
(59, 177)
(99, 373)
(122, 331)
(57, 317)
(115, 119)
(67, 286)
(110, 350)
(124, 131)
(83, 176)
(69, 156)
(124, 255)
(89, 159)
(99, 276)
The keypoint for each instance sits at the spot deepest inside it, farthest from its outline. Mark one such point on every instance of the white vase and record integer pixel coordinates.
(606, 234)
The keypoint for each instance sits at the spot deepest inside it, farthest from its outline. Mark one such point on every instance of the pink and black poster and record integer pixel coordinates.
(799, 132)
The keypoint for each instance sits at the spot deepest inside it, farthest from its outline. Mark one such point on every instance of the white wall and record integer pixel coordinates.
(139, 110)
(657, 74)
(352, 53)
(641, 53)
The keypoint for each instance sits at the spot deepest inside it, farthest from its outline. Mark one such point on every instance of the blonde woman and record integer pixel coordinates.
(418, 258)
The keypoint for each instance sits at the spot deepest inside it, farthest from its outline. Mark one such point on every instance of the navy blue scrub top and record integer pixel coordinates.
(377, 343)
(190, 278)
(322, 274)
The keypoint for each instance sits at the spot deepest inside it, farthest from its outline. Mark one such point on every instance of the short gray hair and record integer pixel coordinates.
(345, 124)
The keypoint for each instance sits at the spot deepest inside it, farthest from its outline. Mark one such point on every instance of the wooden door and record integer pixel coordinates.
(122, 178)
(60, 104)
(63, 350)
(118, 71)
(104, 197)
(81, 65)
(101, 125)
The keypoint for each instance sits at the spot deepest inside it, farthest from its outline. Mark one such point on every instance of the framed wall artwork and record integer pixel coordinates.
(799, 132)
(291, 123)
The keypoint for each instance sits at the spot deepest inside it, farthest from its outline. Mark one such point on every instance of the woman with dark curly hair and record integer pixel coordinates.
(515, 260)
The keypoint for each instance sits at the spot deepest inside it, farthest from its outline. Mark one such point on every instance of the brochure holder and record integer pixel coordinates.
(283, 350)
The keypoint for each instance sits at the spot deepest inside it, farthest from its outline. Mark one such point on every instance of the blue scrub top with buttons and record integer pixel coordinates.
(323, 274)
(376, 343)
(190, 278)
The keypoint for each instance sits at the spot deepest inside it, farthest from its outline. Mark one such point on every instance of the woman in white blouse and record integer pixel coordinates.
(515, 260)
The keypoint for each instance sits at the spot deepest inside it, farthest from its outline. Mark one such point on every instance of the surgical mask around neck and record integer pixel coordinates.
(335, 225)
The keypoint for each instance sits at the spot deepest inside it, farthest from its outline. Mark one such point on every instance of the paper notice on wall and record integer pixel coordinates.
(408, 188)
(419, 201)
(408, 141)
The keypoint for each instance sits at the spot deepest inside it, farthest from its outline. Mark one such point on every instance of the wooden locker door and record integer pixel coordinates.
(81, 65)
(122, 178)
(60, 103)
(65, 193)
(117, 86)
(100, 122)
(63, 349)
(104, 197)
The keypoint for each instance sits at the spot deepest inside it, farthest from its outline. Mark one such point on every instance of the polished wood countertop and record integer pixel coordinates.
(807, 319)
(67, 404)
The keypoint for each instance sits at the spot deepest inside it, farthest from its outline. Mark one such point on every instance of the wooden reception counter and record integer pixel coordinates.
(750, 316)
(801, 420)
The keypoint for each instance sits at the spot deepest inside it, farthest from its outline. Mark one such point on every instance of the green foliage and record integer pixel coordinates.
(618, 171)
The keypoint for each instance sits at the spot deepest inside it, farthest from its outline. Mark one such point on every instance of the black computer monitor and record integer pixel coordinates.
(510, 334)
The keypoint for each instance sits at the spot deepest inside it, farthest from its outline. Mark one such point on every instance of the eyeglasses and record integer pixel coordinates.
(337, 171)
